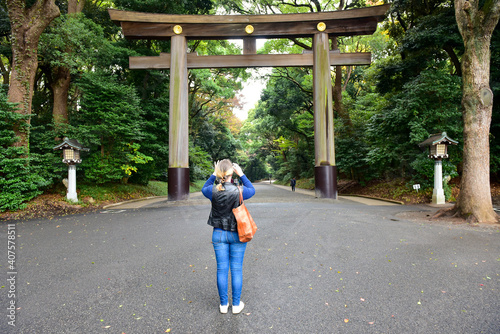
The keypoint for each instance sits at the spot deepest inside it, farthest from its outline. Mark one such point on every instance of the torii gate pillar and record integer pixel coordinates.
(178, 154)
(325, 171)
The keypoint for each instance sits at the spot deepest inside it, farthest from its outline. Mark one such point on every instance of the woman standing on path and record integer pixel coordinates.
(229, 251)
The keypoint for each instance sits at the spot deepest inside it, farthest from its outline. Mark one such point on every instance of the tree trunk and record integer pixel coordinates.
(75, 6)
(476, 26)
(338, 107)
(60, 89)
(27, 24)
(62, 78)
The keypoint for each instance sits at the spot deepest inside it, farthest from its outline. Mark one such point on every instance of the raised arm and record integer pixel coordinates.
(248, 189)
(208, 186)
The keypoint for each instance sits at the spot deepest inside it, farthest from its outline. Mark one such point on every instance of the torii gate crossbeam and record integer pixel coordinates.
(180, 28)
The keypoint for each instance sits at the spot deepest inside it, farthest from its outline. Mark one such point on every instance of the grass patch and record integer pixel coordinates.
(120, 192)
(196, 186)
(281, 183)
(158, 188)
(396, 189)
(305, 184)
(301, 183)
(116, 191)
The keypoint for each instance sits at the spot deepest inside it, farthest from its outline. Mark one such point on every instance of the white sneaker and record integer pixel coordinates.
(223, 308)
(239, 308)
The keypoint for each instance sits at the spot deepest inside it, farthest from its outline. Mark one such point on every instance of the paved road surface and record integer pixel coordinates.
(315, 266)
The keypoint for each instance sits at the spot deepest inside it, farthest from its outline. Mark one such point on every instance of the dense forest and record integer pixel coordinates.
(83, 89)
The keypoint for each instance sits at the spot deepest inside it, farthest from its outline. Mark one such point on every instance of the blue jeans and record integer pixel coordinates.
(229, 252)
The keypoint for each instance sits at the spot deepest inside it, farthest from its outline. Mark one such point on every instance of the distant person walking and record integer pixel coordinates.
(229, 251)
(292, 184)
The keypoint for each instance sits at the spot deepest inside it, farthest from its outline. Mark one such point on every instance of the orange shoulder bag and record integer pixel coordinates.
(246, 225)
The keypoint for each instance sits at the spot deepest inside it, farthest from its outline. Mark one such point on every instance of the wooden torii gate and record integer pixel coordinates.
(179, 28)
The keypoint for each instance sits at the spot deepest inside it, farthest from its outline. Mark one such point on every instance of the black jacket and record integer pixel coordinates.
(223, 202)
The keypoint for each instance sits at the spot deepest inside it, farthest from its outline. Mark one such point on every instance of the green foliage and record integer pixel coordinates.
(43, 139)
(350, 153)
(255, 169)
(109, 111)
(214, 137)
(109, 122)
(155, 141)
(200, 164)
(102, 169)
(212, 98)
(158, 188)
(167, 7)
(428, 104)
(20, 179)
(134, 158)
(71, 42)
(426, 34)
(424, 173)
(196, 186)
(279, 132)
(4, 20)
(307, 183)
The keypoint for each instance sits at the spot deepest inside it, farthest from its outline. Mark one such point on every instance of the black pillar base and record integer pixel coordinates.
(325, 181)
(178, 184)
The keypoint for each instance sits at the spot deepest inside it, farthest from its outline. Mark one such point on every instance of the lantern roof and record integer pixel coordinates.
(71, 143)
(438, 138)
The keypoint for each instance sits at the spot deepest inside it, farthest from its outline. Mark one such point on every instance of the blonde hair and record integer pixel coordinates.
(221, 171)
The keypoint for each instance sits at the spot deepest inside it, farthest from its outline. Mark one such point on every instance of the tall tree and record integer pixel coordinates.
(27, 24)
(338, 106)
(476, 21)
(61, 75)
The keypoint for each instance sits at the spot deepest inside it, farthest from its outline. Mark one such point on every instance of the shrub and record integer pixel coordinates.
(19, 180)
(424, 173)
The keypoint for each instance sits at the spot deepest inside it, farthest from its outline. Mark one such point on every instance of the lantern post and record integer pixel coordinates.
(438, 150)
(71, 156)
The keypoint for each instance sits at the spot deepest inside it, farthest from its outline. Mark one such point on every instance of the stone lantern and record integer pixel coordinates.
(438, 150)
(71, 156)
